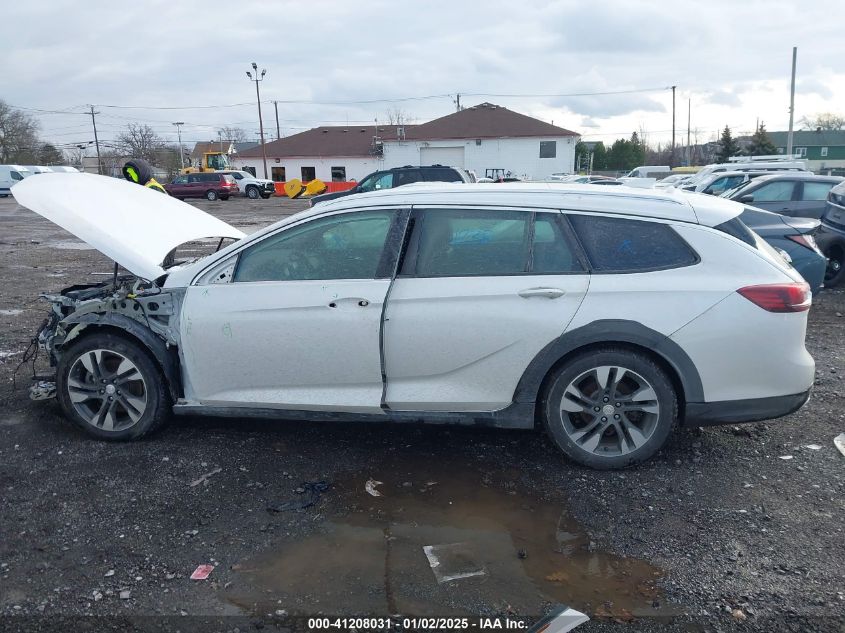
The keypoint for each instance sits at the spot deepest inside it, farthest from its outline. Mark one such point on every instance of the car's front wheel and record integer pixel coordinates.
(252, 192)
(609, 408)
(111, 387)
(211, 195)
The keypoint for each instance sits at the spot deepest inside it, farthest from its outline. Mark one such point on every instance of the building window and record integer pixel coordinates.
(338, 174)
(801, 151)
(308, 174)
(548, 149)
(250, 170)
(278, 174)
(824, 152)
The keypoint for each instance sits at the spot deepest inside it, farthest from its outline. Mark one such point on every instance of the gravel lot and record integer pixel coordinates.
(715, 533)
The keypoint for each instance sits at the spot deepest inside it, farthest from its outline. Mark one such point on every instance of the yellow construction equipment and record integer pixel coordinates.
(295, 188)
(211, 161)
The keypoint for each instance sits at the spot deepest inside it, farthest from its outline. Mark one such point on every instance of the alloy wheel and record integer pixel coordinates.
(107, 390)
(609, 411)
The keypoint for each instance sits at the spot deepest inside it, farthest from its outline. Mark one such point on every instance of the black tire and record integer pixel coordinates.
(644, 427)
(142, 170)
(211, 195)
(834, 274)
(107, 352)
(252, 192)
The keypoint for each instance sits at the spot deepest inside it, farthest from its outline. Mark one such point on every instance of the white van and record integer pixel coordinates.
(38, 169)
(750, 163)
(649, 171)
(9, 175)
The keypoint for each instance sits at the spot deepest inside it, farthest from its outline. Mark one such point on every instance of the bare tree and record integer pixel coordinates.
(234, 134)
(823, 120)
(18, 135)
(140, 141)
(396, 116)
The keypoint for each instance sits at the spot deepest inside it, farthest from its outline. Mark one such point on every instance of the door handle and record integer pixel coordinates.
(548, 293)
(363, 303)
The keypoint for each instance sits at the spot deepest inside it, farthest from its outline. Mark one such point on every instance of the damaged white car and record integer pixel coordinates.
(606, 316)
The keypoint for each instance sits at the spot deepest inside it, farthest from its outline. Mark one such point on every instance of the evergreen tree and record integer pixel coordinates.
(582, 157)
(727, 146)
(599, 157)
(761, 144)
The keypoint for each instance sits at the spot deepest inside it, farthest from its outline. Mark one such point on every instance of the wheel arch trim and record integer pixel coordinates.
(609, 332)
(164, 356)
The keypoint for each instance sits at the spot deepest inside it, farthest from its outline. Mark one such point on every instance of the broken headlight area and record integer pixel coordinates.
(112, 303)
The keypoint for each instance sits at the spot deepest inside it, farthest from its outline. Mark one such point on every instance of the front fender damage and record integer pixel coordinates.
(149, 316)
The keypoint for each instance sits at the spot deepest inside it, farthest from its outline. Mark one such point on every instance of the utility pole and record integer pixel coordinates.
(260, 120)
(458, 103)
(179, 125)
(278, 129)
(97, 141)
(689, 119)
(791, 102)
(672, 160)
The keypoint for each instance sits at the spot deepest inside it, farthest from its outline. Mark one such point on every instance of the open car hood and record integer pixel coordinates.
(133, 225)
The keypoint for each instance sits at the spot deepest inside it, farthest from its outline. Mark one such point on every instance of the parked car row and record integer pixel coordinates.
(12, 174)
(220, 185)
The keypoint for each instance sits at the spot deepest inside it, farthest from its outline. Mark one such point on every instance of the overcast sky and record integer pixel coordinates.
(731, 58)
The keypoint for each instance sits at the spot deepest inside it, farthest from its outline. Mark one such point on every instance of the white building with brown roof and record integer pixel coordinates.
(487, 139)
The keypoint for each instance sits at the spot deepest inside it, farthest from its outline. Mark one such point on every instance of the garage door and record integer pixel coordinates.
(451, 156)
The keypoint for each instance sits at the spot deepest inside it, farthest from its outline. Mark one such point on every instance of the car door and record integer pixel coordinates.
(177, 187)
(810, 199)
(480, 293)
(194, 187)
(297, 325)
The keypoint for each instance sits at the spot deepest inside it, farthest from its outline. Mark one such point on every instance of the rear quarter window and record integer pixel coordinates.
(736, 228)
(625, 246)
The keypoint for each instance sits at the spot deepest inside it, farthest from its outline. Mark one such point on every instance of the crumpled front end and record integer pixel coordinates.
(133, 307)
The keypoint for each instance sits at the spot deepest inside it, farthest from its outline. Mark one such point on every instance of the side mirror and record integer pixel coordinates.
(747, 198)
(708, 191)
(358, 189)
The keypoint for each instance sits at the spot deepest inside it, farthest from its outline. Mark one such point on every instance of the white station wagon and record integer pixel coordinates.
(606, 316)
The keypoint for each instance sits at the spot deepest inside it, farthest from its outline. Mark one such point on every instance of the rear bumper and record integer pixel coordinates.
(736, 411)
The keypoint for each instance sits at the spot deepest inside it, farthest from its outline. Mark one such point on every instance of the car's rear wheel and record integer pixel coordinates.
(111, 387)
(834, 274)
(211, 195)
(609, 408)
(252, 192)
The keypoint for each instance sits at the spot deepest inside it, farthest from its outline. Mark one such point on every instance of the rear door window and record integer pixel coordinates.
(464, 242)
(470, 242)
(622, 245)
(816, 190)
(441, 175)
(406, 177)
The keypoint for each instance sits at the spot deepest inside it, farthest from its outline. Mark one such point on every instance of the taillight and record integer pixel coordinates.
(807, 241)
(794, 297)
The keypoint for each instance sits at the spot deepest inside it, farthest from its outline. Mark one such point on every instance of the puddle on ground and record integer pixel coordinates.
(508, 549)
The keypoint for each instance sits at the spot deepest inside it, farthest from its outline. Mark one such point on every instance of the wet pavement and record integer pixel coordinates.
(489, 540)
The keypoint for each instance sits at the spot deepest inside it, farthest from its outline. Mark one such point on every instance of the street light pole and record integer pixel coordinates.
(179, 125)
(256, 79)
